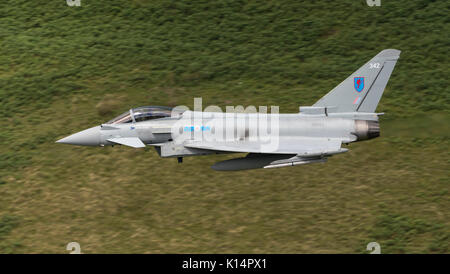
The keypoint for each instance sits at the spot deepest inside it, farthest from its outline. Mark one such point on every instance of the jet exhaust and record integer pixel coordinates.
(365, 130)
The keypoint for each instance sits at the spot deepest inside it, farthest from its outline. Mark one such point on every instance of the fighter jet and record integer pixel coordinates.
(271, 140)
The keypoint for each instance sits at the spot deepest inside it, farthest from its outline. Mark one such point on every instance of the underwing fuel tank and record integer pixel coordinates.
(253, 161)
(249, 162)
(365, 130)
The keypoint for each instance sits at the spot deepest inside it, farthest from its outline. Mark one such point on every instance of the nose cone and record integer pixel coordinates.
(87, 137)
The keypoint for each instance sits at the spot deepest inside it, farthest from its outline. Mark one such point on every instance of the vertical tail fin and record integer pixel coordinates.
(362, 90)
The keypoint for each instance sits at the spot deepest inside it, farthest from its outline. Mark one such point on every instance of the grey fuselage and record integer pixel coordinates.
(346, 127)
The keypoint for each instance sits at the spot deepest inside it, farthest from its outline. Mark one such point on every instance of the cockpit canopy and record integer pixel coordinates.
(142, 114)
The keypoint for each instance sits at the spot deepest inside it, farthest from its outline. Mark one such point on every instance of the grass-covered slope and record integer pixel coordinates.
(63, 69)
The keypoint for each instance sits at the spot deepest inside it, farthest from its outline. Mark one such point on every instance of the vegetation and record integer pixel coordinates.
(63, 69)
(7, 223)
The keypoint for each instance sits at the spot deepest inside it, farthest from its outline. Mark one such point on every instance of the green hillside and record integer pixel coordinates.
(64, 69)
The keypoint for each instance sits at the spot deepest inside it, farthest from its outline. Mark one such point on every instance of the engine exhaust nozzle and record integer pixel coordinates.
(366, 130)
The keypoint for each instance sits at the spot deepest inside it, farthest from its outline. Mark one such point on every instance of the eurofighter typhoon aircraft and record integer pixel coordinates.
(345, 115)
